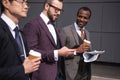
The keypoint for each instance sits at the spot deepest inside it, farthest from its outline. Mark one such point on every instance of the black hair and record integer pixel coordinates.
(84, 8)
(2, 7)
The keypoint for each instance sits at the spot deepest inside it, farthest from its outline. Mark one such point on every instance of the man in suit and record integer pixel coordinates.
(13, 62)
(75, 67)
(42, 36)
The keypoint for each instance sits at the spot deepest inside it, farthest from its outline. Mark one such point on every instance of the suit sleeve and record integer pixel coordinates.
(9, 70)
(63, 37)
(12, 73)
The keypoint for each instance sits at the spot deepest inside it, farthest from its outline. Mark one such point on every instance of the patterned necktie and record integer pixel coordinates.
(19, 42)
(82, 34)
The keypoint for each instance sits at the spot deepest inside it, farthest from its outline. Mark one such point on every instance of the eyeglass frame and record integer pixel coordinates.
(22, 2)
(56, 8)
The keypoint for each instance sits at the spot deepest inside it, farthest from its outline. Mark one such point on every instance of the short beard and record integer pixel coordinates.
(50, 16)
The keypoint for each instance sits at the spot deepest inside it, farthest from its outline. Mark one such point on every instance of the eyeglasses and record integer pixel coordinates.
(56, 9)
(21, 2)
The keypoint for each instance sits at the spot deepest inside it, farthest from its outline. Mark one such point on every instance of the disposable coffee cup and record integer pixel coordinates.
(86, 43)
(34, 54)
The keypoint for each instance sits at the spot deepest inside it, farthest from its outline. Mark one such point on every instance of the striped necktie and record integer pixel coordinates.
(82, 34)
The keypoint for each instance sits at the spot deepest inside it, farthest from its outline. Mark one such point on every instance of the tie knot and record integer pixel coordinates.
(16, 30)
(81, 29)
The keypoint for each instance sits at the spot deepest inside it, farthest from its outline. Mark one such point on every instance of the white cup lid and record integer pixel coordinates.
(35, 53)
(87, 41)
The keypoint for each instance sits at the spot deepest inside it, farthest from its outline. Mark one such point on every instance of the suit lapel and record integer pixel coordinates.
(6, 28)
(58, 37)
(45, 28)
(75, 35)
(25, 42)
(87, 35)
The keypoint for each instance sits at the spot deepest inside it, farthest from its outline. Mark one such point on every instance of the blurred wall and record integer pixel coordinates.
(104, 24)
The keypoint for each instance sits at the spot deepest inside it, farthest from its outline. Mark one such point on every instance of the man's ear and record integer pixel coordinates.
(46, 6)
(5, 3)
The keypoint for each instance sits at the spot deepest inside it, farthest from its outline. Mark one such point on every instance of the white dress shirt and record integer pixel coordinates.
(52, 31)
(78, 29)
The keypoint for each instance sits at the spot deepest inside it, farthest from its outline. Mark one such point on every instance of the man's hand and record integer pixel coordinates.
(64, 51)
(31, 65)
(82, 48)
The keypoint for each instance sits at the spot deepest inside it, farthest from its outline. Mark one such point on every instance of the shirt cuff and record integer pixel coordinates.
(75, 53)
(56, 55)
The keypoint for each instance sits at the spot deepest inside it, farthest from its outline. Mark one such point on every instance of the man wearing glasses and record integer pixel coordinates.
(14, 64)
(43, 36)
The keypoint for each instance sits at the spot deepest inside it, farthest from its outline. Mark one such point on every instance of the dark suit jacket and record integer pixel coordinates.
(80, 70)
(10, 62)
(40, 39)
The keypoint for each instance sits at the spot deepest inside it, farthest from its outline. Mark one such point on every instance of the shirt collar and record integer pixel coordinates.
(8, 21)
(45, 18)
(77, 27)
